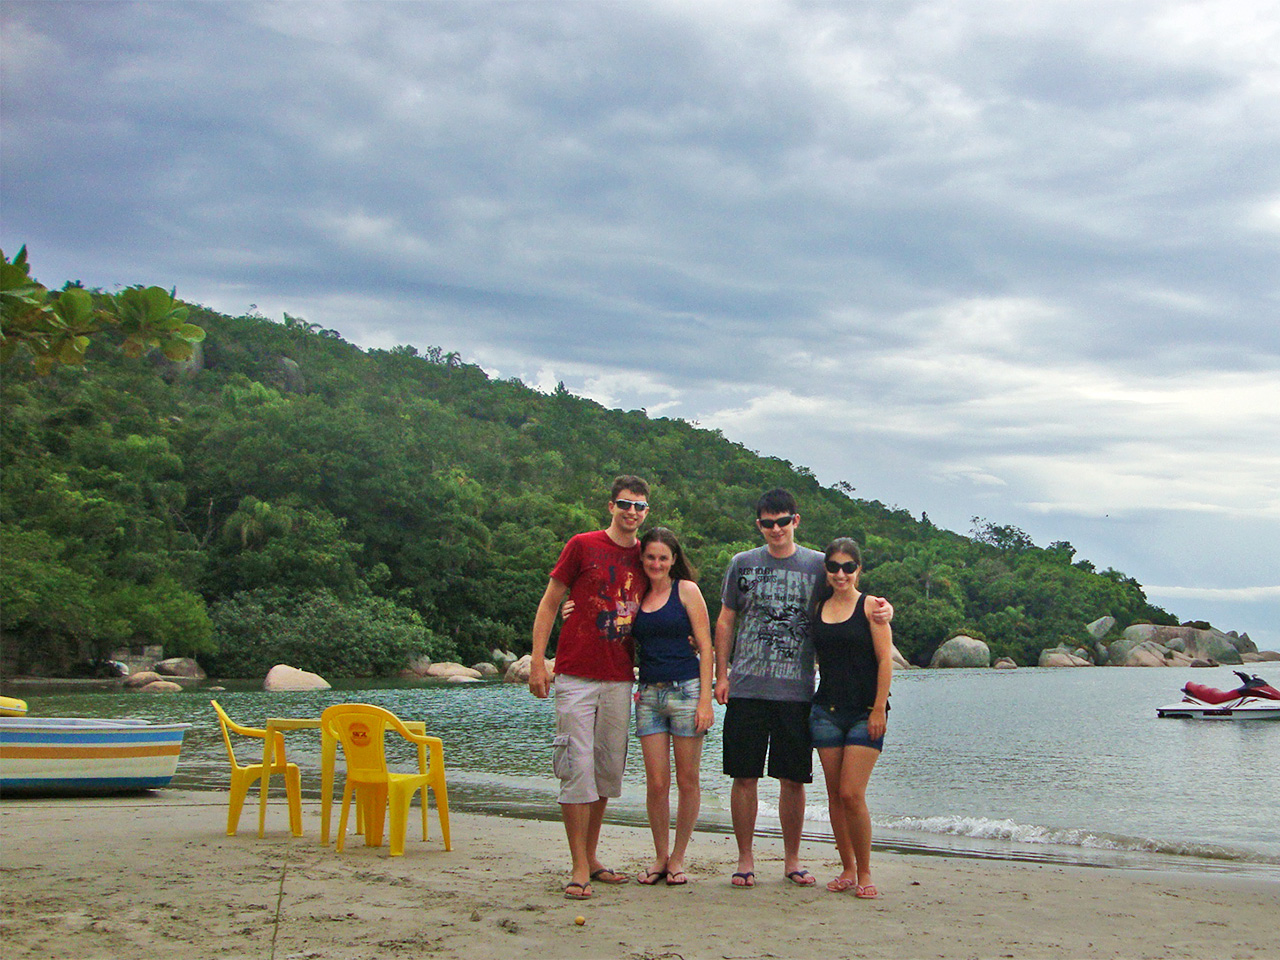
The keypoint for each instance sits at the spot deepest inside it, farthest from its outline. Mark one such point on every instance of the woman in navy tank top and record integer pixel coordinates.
(673, 700)
(850, 709)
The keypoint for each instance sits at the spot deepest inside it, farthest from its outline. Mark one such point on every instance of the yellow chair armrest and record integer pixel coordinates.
(256, 733)
(425, 740)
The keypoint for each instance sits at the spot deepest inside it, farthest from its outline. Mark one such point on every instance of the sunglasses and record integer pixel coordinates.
(848, 566)
(785, 521)
(638, 505)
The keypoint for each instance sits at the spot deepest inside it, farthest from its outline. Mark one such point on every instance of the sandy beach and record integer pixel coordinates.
(156, 876)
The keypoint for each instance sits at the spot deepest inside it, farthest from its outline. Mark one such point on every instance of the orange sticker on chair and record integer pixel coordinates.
(360, 734)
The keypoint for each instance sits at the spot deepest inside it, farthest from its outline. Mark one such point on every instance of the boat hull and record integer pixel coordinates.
(67, 755)
(1246, 708)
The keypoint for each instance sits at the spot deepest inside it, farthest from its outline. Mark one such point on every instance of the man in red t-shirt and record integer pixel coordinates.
(602, 573)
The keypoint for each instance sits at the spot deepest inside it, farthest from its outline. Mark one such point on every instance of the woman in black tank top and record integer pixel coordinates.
(850, 709)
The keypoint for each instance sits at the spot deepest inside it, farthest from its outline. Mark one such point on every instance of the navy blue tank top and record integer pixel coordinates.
(662, 642)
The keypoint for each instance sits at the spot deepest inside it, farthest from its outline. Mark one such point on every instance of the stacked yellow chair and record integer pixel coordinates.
(360, 728)
(243, 777)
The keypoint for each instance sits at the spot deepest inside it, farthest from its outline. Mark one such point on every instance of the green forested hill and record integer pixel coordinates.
(297, 499)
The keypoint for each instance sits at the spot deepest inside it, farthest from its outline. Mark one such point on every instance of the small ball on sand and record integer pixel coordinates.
(579, 920)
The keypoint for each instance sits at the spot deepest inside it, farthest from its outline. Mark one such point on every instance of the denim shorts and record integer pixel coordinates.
(669, 707)
(836, 727)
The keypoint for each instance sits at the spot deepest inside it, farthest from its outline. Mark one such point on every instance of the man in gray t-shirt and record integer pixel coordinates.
(764, 677)
(773, 652)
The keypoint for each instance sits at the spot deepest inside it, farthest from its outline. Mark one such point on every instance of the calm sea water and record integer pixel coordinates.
(1064, 765)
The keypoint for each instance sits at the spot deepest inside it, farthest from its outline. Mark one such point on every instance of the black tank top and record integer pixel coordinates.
(846, 660)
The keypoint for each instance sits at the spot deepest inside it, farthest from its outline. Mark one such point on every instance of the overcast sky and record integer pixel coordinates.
(1001, 259)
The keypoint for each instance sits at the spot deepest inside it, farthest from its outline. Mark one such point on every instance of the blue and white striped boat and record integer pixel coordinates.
(46, 755)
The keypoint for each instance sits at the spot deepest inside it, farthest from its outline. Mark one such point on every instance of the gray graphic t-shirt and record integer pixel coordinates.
(773, 653)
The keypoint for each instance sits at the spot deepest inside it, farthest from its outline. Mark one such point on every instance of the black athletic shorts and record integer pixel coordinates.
(780, 728)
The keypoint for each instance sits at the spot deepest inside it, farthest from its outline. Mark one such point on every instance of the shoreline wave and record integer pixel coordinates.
(983, 828)
(1007, 839)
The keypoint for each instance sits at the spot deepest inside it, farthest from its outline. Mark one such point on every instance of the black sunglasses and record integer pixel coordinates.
(785, 521)
(639, 505)
(848, 566)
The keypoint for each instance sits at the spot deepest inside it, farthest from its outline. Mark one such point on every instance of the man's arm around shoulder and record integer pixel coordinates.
(881, 609)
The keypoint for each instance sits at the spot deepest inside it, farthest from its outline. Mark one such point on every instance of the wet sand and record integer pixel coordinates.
(134, 878)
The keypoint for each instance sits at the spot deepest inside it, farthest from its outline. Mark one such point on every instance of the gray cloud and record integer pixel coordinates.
(978, 258)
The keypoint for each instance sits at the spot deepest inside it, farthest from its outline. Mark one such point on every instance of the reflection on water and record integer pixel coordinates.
(1047, 764)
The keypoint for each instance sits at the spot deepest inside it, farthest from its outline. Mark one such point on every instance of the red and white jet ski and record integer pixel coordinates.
(1254, 699)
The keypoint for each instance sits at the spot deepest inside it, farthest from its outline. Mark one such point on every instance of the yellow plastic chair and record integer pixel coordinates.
(360, 729)
(243, 777)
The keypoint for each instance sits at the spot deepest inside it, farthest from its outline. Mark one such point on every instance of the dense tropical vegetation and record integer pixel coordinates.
(276, 494)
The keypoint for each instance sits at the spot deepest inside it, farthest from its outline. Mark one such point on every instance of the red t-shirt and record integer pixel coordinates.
(605, 582)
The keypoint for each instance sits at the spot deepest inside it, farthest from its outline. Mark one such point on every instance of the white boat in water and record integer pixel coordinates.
(1254, 699)
(46, 755)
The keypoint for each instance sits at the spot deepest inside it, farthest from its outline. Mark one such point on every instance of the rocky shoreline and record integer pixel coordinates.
(1139, 645)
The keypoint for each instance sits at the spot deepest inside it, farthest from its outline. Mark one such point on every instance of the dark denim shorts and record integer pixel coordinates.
(835, 727)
